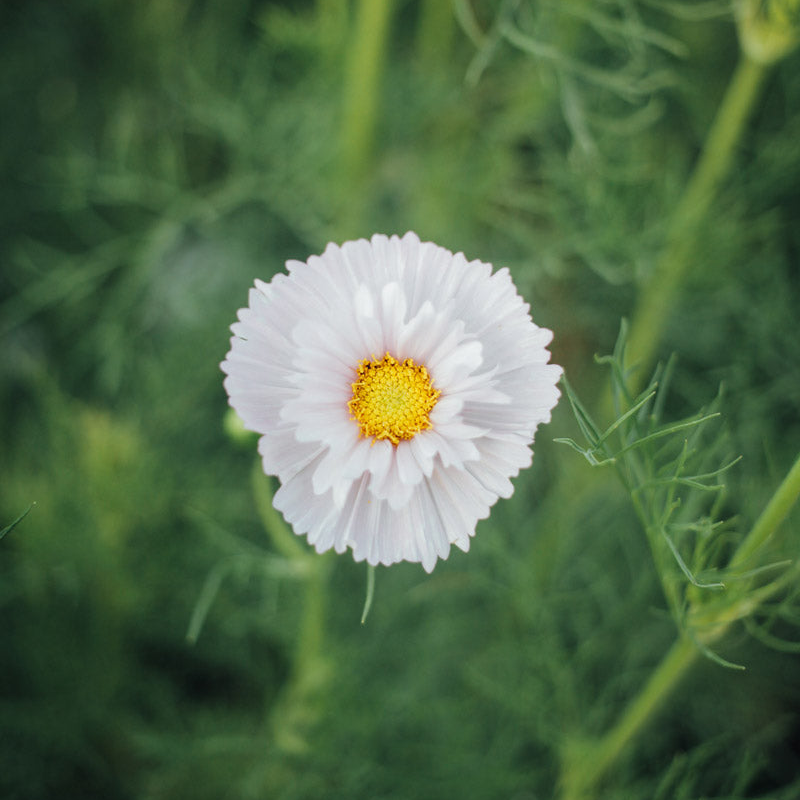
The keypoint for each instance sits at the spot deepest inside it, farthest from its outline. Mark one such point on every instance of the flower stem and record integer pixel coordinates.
(370, 592)
(716, 159)
(434, 35)
(363, 69)
(295, 710)
(284, 541)
(587, 763)
(778, 507)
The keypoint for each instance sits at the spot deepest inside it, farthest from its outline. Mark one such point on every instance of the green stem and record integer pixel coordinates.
(363, 69)
(434, 35)
(296, 710)
(370, 592)
(771, 517)
(588, 763)
(655, 304)
(307, 662)
(284, 541)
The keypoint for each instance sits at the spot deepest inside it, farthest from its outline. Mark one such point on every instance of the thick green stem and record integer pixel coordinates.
(296, 710)
(366, 51)
(587, 763)
(363, 70)
(778, 507)
(282, 538)
(655, 304)
(434, 35)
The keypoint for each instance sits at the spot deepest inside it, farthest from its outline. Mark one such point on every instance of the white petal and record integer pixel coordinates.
(409, 469)
(392, 316)
(283, 455)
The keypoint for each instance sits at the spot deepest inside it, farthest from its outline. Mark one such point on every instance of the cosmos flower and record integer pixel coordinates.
(397, 389)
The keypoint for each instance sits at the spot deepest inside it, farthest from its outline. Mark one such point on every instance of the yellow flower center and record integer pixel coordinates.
(392, 399)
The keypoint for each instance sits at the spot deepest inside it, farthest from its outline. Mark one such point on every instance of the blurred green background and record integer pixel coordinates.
(156, 158)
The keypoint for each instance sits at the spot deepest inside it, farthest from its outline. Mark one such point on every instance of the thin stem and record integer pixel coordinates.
(284, 541)
(588, 763)
(295, 711)
(655, 304)
(370, 592)
(309, 643)
(16, 522)
(771, 517)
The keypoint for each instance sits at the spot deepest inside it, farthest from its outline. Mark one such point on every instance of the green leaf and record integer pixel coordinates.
(16, 522)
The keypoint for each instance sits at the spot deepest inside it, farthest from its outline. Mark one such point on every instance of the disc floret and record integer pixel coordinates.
(392, 399)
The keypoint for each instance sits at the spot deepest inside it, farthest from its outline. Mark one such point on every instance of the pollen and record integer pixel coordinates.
(392, 399)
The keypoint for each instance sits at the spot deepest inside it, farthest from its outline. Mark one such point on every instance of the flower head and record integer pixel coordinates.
(397, 388)
(768, 29)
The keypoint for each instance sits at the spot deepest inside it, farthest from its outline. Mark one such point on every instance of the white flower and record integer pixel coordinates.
(396, 387)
